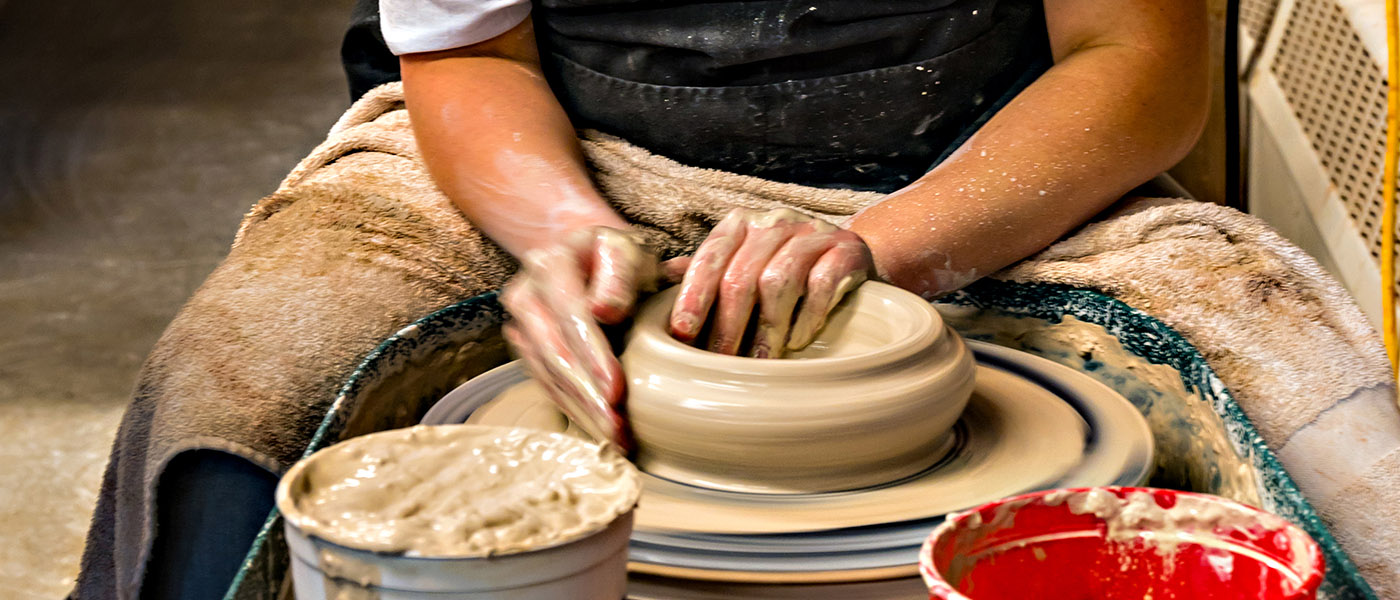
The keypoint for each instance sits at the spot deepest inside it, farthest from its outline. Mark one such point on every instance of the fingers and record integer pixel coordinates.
(772, 258)
(597, 419)
(673, 271)
(543, 347)
(702, 277)
(739, 287)
(531, 319)
(556, 335)
(558, 278)
(839, 270)
(621, 266)
(781, 285)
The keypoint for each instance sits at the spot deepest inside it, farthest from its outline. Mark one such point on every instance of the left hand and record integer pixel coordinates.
(772, 259)
(557, 300)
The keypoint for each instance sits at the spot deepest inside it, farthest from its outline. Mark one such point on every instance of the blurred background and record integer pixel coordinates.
(133, 136)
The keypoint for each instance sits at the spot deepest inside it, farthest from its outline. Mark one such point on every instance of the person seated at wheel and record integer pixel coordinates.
(993, 127)
(996, 127)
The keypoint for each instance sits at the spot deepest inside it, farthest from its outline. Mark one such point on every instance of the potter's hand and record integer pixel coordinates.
(774, 258)
(556, 302)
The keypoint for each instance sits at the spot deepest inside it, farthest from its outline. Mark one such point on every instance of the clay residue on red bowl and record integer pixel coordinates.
(1117, 543)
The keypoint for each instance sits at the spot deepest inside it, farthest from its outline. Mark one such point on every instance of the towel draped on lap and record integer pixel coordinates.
(357, 242)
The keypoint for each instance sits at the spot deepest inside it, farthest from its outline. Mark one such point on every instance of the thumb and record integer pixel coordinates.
(673, 271)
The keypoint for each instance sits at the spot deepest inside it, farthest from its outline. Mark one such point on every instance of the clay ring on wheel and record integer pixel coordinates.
(870, 402)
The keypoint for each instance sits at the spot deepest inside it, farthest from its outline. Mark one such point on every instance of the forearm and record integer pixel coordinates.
(498, 143)
(1104, 119)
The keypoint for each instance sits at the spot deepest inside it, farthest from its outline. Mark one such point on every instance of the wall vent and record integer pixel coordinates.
(1337, 92)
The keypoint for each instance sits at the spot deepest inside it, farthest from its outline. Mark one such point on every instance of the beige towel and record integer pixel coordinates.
(1285, 338)
(357, 242)
(1260, 310)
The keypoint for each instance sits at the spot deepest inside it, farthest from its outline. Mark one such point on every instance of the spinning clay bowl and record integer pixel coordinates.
(872, 400)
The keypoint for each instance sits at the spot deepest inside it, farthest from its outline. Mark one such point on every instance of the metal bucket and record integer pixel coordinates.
(590, 568)
(589, 565)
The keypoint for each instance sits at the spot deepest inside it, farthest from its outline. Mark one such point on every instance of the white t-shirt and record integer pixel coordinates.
(428, 25)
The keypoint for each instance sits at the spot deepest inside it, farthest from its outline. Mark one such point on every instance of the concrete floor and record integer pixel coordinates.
(133, 136)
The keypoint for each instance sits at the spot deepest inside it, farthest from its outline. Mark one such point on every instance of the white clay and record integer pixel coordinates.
(1192, 519)
(1225, 529)
(771, 218)
(869, 404)
(1194, 450)
(1019, 437)
(458, 491)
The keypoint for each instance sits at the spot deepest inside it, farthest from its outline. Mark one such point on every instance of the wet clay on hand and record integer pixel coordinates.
(871, 401)
(461, 491)
(557, 301)
(768, 261)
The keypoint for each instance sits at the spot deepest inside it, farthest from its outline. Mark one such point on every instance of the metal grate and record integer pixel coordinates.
(1338, 94)
(1256, 15)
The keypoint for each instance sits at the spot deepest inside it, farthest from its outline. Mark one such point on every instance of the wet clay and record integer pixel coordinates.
(1194, 445)
(1015, 436)
(554, 324)
(870, 402)
(1138, 515)
(461, 491)
(777, 257)
(1139, 543)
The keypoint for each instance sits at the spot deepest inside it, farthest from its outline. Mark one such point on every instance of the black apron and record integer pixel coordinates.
(863, 94)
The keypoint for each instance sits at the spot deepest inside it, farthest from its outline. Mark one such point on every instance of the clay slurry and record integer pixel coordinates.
(461, 491)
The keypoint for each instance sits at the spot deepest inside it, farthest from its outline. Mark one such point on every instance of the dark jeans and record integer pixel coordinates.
(209, 507)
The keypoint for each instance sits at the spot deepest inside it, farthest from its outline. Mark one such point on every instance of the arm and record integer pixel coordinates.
(498, 143)
(1125, 100)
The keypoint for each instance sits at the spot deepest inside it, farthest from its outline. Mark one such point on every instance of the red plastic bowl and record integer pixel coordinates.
(1119, 543)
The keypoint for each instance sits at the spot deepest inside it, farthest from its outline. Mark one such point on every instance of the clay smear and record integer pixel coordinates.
(1138, 516)
(1194, 447)
(461, 491)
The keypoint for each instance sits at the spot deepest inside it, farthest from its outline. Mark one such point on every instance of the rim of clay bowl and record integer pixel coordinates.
(282, 497)
(923, 325)
(933, 578)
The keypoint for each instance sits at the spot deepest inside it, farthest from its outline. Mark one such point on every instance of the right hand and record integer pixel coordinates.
(557, 300)
(766, 261)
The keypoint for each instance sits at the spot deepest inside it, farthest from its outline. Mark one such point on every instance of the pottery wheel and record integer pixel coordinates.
(1031, 424)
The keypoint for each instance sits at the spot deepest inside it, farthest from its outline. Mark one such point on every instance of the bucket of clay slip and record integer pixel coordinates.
(1119, 543)
(590, 566)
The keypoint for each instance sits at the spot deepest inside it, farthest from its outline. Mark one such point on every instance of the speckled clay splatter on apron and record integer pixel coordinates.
(844, 93)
